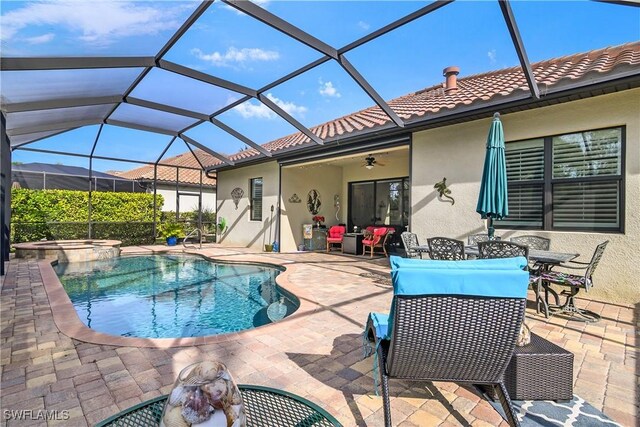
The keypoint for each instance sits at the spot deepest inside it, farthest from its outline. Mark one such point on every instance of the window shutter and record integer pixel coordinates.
(256, 199)
(525, 206)
(586, 154)
(525, 160)
(525, 172)
(592, 205)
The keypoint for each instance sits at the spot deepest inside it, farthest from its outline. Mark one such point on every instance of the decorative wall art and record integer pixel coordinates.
(295, 199)
(443, 191)
(313, 202)
(336, 203)
(236, 195)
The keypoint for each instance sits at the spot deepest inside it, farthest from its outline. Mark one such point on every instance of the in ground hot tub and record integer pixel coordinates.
(69, 250)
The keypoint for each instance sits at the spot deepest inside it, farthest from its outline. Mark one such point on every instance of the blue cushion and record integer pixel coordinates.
(475, 264)
(470, 282)
(381, 323)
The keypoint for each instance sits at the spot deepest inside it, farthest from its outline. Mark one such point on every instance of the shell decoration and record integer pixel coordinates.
(204, 395)
(173, 418)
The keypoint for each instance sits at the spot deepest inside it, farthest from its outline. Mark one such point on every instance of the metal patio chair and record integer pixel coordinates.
(474, 239)
(575, 283)
(501, 249)
(444, 248)
(533, 242)
(410, 242)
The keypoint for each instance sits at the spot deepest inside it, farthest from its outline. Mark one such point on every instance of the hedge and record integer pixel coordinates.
(63, 214)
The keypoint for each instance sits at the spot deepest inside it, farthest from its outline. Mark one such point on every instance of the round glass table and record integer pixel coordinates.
(264, 406)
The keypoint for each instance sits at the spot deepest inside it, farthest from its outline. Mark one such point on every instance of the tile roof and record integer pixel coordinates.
(552, 74)
(168, 173)
(476, 89)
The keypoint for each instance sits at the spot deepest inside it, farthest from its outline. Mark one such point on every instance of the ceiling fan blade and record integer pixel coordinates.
(380, 164)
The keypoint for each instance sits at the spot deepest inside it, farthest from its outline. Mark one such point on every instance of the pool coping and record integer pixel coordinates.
(68, 322)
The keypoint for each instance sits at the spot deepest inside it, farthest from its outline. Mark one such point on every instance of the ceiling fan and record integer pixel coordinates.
(370, 162)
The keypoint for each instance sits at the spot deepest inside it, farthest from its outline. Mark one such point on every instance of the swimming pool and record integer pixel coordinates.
(162, 296)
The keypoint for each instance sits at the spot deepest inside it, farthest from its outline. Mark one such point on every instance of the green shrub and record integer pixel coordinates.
(63, 214)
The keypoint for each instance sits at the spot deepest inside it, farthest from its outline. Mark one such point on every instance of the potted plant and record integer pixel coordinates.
(318, 219)
(171, 231)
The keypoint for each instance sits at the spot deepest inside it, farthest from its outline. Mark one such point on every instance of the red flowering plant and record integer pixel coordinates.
(318, 218)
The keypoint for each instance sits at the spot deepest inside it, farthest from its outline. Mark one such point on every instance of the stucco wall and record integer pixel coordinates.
(457, 153)
(187, 203)
(300, 180)
(242, 231)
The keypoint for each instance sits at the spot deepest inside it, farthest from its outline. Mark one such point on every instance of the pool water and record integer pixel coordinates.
(173, 296)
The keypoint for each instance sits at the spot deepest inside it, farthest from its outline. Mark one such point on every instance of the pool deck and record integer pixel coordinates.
(316, 353)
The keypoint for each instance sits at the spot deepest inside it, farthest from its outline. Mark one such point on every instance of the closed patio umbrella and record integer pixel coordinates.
(492, 200)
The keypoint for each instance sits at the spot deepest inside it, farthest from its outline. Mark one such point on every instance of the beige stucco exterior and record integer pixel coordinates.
(457, 153)
(241, 230)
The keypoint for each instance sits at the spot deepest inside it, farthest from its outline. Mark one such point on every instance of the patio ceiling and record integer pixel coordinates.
(47, 96)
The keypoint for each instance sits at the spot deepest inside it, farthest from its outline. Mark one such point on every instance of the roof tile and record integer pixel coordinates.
(471, 89)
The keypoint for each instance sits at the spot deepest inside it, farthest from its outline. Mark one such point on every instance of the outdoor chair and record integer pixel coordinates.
(334, 237)
(501, 249)
(444, 248)
(454, 321)
(533, 242)
(376, 240)
(410, 242)
(575, 283)
(474, 239)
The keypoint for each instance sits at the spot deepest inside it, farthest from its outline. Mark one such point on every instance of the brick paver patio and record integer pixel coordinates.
(317, 355)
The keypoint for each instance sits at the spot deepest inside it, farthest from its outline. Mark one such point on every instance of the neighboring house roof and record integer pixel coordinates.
(61, 170)
(168, 173)
(418, 107)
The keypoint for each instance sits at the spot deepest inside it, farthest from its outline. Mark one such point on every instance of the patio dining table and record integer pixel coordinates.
(544, 260)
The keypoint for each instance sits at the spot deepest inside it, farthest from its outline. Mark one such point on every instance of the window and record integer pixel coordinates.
(380, 202)
(255, 185)
(566, 182)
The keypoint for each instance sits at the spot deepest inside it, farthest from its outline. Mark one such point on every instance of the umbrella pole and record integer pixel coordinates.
(491, 229)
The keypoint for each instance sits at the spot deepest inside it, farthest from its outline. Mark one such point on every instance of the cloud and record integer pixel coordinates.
(364, 25)
(45, 38)
(95, 22)
(236, 56)
(251, 110)
(262, 3)
(492, 56)
(327, 89)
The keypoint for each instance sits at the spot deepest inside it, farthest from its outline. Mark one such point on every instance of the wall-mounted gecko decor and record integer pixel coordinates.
(443, 191)
(236, 195)
(313, 202)
(295, 199)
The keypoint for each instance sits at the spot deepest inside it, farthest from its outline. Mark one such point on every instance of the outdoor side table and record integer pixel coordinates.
(352, 243)
(318, 241)
(540, 370)
(264, 406)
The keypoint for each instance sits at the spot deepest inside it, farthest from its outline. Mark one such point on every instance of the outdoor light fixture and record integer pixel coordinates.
(369, 166)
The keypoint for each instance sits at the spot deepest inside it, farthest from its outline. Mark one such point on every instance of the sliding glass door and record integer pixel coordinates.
(380, 202)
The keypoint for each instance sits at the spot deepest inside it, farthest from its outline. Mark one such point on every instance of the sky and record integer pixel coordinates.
(230, 45)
